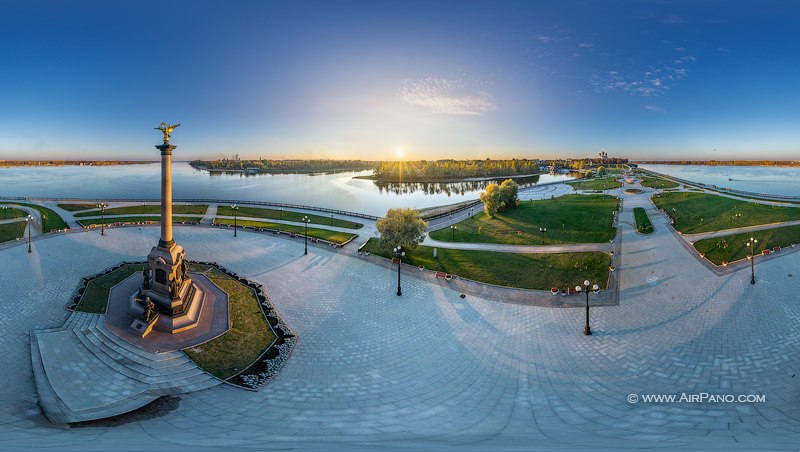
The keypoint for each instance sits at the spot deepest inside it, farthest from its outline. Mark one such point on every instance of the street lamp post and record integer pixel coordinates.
(331, 219)
(752, 244)
(29, 219)
(453, 231)
(542, 231)
(587, 330)
(102, 207)
(305, 234)
(235, 209)
(738, 218)
(281, 213)
(398, 251)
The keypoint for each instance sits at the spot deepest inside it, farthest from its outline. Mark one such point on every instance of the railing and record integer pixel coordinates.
(721, 189)
(207, 201)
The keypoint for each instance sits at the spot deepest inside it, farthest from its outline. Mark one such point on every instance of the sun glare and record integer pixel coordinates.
(400, 153)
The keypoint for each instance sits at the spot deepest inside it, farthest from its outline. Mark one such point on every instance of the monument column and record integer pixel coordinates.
(166, 195)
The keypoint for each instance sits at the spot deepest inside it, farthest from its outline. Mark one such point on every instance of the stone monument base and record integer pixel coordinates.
(211, 320)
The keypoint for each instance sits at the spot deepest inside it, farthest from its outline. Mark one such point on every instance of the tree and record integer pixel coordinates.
(401, 227)
(508, 193)
(491, 200)
(601, 170)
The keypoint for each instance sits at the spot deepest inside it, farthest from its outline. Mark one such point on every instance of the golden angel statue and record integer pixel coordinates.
(166, 128)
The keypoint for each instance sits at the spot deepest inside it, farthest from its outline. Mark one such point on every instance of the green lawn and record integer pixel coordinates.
(11, 231)
(643, 224)
(526, 271)
(95, 297)
(50, 219)
(136, 219)
(287, 215)
(732, 247)
(77, 207)
(324, 234)
(703, 212)
(605, 183)
(185, 209)
(9, 213)
(657, 182)
(568, 219)
(246, 340)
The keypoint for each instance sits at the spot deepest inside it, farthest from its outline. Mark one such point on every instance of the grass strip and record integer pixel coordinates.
(520, 270)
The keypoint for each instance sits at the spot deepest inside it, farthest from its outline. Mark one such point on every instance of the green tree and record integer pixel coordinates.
(491, 199)
(401, 227)
(508, 193)
(601, 170)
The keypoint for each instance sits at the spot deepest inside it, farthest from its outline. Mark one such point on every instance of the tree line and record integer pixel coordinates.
(298, 166)
(432, 170)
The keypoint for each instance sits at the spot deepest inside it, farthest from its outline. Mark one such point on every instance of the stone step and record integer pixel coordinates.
(83, 372)
(114, 409)
(121, 353)
(191, 383)
(78, 377)
(138, 370)
(52, 405)
(163, 356)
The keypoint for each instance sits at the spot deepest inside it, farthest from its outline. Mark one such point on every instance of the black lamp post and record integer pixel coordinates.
(738, 218)
(453, 231)
(398, 251)
(752, 243)
(331, 219)
(281, 213)
(102, 217)
(542, 231)
(29, 219)
(587, 330)
(305, 234)
(235, 209)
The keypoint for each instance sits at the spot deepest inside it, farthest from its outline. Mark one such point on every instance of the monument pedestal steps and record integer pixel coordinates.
(83, 371)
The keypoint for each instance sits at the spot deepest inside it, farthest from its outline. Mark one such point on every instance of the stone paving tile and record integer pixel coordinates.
(429, 369)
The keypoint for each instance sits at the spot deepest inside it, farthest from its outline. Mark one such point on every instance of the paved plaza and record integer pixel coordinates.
(430, 370)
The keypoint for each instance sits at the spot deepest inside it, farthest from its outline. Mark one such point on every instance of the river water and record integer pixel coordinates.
(336, 191)
(784, 181)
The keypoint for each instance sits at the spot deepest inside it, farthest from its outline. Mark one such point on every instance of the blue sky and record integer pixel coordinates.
(642, 79)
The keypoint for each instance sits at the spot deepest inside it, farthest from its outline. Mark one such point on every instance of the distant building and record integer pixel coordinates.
(603, 156)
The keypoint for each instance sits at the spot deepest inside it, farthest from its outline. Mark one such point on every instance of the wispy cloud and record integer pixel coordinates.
(674, 20)
(446, 96)
(652, 82)
(654, 108)
(543, 38)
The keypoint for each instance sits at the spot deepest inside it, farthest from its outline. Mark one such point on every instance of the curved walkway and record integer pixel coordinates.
(375, 370)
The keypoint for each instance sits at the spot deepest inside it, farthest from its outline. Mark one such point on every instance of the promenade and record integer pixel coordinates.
(430, 370)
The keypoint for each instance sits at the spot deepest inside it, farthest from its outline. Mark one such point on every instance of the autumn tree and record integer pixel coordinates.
(401, 227)
(508, 193)
(491, 198)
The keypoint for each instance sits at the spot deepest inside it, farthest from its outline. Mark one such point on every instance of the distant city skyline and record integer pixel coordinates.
(389, 80)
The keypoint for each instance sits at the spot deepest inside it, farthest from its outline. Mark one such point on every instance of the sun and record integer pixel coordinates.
(400, 153)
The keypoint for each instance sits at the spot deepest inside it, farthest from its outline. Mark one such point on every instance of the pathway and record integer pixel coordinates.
(375, 370)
